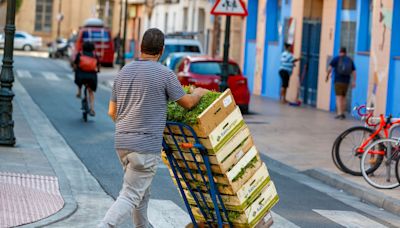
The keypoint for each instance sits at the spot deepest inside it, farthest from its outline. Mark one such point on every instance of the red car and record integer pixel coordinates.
(205, 72)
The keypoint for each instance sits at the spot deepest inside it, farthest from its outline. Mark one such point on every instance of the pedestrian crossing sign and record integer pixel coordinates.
(229, 8)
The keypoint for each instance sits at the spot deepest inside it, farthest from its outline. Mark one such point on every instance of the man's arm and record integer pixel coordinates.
(112, 110)
(188, 101)
(328, 73)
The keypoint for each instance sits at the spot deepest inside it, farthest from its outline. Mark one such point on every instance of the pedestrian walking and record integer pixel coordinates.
(86, 66)
(285, 70)
(343, 68)
(138, 106)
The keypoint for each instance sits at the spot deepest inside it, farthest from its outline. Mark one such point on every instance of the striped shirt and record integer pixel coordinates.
(141, 91)
(287, 62)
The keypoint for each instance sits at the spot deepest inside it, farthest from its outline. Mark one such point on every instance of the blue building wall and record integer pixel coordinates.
(393, 96)
(250, 44)
(360, 93)
(273, 47)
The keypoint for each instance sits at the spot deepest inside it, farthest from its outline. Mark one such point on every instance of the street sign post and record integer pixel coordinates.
(228, 8)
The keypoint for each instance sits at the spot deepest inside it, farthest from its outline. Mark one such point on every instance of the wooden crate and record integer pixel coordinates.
(246, 194)
(210, 118)
(265, 222)
(217, 138)
(254, 213)
(234, 179)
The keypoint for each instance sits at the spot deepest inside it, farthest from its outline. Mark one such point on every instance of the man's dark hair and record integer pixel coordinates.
(153, 42)
(88, 47)
(343, 50)
(287, 46)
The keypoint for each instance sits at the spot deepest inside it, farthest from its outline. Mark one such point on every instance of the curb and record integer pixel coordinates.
(70, 204)
(373, 197)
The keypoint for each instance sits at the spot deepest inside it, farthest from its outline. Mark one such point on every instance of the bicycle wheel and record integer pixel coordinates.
(347, 156)
(333, 153)
(383, 177)
(398, 169)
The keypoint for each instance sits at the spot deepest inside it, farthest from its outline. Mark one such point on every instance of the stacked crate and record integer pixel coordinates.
(241, 177)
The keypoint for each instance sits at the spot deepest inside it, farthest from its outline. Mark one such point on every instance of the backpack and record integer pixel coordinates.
(87, 63)
(345, 66)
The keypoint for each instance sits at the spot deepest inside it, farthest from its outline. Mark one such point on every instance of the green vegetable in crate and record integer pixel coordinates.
(178, 114)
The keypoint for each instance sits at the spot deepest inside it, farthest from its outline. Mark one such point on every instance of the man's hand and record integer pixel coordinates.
(188, 101)
(327, 78)
(112, 110)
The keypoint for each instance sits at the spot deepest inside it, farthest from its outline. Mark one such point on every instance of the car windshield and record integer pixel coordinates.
(171, 48)
(96, 36)
(212, 68)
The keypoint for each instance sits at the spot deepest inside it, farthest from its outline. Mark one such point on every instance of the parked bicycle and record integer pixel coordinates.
(349, 146)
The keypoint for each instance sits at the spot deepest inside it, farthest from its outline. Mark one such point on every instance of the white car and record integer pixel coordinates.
(173, 45)
(24, 41)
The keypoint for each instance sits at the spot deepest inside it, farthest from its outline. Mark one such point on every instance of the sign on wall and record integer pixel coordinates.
(229, 8)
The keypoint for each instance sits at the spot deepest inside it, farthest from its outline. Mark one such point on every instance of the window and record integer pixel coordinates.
(166, 23)
(96, 36)
(44, 15)
(274, 25)
(212, 68)
(185, 19)
(19, 35)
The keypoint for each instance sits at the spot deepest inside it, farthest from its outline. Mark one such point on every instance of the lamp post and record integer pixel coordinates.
(7, 78)
(124, 37)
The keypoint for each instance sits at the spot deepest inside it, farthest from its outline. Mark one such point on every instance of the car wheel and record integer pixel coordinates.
(244, 109)
(27, 47)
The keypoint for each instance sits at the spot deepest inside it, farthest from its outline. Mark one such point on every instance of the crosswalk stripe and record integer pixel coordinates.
(23, 74)
(50, 76)
(281, 222)
(349, 219)
(166, 214)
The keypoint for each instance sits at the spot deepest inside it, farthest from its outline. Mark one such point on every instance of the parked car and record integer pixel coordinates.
(173, 59)
(205, 72)
(1, 40)
(173, 45)
(26, 41)
(94, 31)
(58, 48)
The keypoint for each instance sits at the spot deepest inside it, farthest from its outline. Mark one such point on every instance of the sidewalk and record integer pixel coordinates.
(42, 181)
(302, 137)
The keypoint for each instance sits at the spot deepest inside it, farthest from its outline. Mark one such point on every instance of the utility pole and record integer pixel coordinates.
(124, 38)
(119, 33)
(7, 137)
(225, 66)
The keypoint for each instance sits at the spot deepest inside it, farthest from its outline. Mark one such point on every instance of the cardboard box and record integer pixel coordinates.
(246, 194)
(210, 118)
(253, 214)
(233, 179)
(265, 222)
(217, 138)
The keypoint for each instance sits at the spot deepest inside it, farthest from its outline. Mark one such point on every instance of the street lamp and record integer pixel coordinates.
(7, 78)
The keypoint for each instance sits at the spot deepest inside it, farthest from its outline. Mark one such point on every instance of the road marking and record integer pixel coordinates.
(50, 76)
(349, 219)
(166, 214)
(281, 222)
(23, 74)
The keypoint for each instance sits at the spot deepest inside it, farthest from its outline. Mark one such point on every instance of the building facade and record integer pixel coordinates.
(45, 17)
(317, 29)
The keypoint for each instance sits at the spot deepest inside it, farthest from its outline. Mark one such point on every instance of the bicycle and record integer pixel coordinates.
(347, 159)
(383, 177)
(85, 105)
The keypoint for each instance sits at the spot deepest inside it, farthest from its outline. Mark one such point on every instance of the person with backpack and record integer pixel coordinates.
(86, 67)
(343, 68)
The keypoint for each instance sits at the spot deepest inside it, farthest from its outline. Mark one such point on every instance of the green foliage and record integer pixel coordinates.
(233, 215)
(18, 5)
(243, 170)
(178, 114)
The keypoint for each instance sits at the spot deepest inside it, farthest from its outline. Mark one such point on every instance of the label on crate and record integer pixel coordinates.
(226, 128)
(258, 180)
(227, 101)
(234, 172)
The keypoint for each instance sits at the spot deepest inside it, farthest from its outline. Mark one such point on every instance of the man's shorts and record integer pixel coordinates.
(285, 76)
(341, 88)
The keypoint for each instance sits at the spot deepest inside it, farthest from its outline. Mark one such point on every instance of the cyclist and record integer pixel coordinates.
(86, 66)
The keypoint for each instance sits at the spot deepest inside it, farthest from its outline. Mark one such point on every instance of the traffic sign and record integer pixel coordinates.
(229, 8)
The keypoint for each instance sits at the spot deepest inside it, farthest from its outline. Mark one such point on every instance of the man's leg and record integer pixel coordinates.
(344, 103)
(139, 173)
(339, 105)
(139, 215)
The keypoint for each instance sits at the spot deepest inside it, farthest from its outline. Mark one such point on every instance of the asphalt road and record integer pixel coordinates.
(93, 142)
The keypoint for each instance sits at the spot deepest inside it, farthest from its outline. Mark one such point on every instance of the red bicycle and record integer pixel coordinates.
(351, 144)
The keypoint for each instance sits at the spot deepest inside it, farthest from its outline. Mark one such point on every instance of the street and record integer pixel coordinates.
(303, 202)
